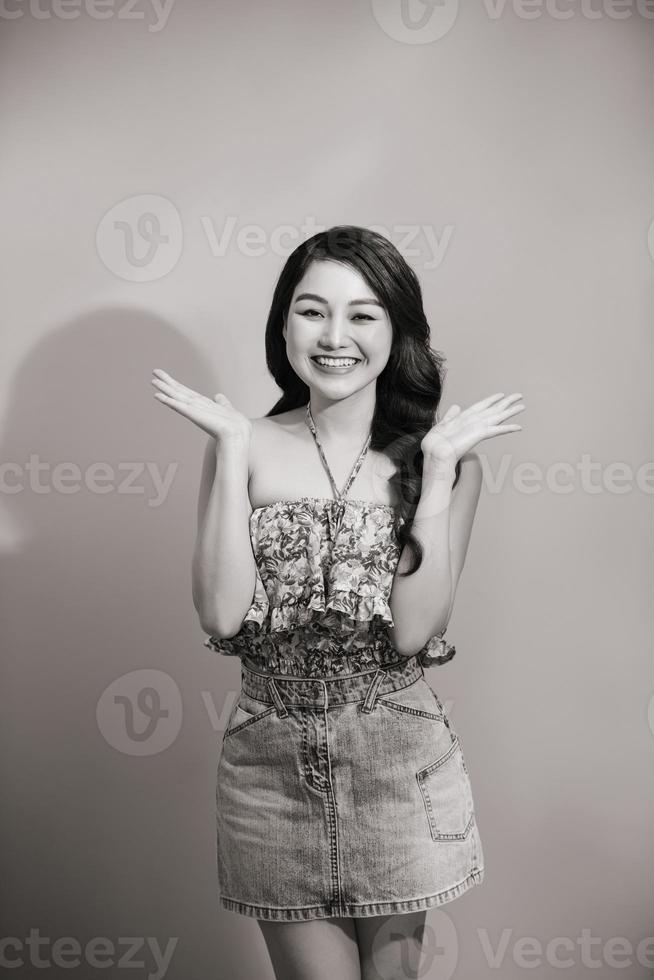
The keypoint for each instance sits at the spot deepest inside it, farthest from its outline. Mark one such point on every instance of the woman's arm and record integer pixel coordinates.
(224, 570)
(421, 603)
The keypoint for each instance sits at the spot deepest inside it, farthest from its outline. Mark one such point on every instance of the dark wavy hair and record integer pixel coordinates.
(408, 389)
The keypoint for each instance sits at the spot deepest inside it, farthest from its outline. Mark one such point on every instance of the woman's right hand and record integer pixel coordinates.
(217, 416)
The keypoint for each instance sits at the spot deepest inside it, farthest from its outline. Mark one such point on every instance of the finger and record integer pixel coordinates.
(164, 376)
(516, 396)
(508, 412)
(177, 391)
(168, 389)
(175, 385)
(507, 403)
(168, 399)
(194, 413)
(485, 402)
(500, 430)
(493, 401)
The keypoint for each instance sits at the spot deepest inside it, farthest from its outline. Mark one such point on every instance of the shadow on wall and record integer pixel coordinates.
(109, 838)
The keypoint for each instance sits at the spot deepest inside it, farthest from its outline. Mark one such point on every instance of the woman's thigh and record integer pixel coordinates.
(390, 946)
(320, 949)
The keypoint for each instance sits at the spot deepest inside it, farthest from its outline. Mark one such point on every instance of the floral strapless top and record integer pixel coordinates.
(325, 570)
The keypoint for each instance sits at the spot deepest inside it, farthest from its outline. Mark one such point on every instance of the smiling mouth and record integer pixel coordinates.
(326, 357)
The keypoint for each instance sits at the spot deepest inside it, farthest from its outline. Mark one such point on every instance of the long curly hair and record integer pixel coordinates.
(408, 389)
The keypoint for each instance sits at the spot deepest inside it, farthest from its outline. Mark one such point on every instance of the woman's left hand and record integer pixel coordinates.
(458, 431)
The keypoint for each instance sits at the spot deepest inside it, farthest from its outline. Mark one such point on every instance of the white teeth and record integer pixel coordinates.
(336, 361)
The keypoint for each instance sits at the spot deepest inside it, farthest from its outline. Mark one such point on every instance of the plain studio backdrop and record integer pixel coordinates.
(159, 164)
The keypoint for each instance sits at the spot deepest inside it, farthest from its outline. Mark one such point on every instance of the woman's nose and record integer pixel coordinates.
(334, 331)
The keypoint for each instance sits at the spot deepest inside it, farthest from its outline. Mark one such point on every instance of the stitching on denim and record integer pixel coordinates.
(282, 710)
(332, 823)
(305, 749)
(371, 693)
(250, 721)
(411, 711)
(298, 912)
(421, 777)
(255, 683)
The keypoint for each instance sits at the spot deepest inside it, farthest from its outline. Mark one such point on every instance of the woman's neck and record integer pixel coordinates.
(345, 421)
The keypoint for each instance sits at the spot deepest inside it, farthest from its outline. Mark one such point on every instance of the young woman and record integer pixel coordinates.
(331, 537)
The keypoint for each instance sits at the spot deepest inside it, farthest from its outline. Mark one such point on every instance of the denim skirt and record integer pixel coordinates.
(342, 796)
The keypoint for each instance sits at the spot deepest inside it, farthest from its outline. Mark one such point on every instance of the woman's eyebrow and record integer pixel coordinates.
(353, 302)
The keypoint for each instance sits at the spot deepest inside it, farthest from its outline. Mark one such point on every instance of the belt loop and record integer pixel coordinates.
(371, 694)
(282, 710)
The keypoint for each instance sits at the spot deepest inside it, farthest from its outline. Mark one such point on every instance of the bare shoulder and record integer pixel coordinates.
(268, 438)
(284, 420)
(274, 426)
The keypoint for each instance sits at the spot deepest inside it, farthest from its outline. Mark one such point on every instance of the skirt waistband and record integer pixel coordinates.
(323, 692)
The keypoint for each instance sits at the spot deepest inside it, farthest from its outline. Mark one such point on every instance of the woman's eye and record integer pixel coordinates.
(364, 316)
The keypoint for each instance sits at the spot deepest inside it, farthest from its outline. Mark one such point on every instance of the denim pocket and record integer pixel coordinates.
(447, 795)
(247, 711)
(416, 699)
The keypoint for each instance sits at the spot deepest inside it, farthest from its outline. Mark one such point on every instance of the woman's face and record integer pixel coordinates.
(333, 312)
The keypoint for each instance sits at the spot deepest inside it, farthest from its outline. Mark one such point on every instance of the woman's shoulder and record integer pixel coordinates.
(269, 429)
(269, 443)
(284, 420)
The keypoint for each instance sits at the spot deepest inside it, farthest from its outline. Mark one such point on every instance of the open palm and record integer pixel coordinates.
(216, 416)
(458, 431)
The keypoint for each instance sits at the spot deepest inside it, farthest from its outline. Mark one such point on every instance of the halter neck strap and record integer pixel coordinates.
(355, 469)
